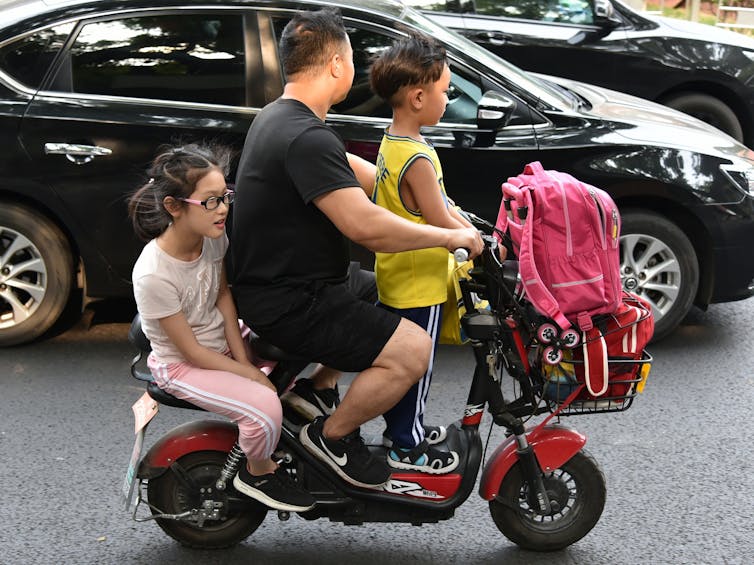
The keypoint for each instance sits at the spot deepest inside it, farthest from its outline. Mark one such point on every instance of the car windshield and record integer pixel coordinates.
(544, 91)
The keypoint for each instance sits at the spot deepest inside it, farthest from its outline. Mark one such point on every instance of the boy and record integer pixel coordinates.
(413, 77)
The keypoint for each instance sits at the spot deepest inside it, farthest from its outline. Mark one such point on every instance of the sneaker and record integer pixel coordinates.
(309, 402)
(276, 490)
(432, 435)
(348, 456)
(423, 458)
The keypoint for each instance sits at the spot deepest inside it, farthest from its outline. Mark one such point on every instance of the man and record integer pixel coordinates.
(296, 199)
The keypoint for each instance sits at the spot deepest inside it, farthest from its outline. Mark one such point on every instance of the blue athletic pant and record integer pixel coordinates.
(405, 420)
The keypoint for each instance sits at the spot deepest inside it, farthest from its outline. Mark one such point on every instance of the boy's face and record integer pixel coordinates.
(436, 99)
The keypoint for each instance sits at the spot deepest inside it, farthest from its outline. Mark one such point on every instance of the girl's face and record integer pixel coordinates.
(204, 222)
(436, 99)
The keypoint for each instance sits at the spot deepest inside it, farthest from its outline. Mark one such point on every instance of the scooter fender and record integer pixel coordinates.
(553, 445)
(200, 435)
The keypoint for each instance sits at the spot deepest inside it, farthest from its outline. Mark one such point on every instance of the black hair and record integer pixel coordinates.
(310, 39)
(174, 172)
(414, 60)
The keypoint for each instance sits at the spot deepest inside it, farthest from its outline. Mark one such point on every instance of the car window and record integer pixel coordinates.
(453, 6)
(463, 95)
(558, 11)
(187, 57)
(27, 59)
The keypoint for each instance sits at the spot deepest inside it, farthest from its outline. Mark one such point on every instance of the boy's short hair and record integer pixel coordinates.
(413, 60)
(310, 39)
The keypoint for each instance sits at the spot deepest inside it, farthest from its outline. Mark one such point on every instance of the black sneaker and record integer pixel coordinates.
(276, 490)
(432, 435)
(309, 402)
(348, 456)
(423, 458)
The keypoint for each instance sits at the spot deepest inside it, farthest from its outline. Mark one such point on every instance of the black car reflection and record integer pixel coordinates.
(90, 89)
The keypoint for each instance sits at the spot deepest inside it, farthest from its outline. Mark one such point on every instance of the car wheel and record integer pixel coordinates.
(708, 109)
(658, 262)
(36, 274)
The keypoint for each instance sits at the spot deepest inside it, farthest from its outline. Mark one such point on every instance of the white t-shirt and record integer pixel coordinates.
(164, 285)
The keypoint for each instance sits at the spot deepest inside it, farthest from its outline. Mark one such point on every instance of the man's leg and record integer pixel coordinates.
(401, 363)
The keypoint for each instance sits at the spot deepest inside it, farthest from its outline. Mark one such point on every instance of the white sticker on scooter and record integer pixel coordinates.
(471, 410)
(412, 489)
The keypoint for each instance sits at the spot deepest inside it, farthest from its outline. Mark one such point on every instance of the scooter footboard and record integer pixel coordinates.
(553, 445)
(199, 435)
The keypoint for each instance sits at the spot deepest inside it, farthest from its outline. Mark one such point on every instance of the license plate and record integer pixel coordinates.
(144, 410)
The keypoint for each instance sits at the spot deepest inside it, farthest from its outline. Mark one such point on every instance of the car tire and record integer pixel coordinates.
(659, 263)
(708, 109)
(36, 274)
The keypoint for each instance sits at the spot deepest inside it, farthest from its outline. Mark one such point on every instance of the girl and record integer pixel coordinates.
(188, 313)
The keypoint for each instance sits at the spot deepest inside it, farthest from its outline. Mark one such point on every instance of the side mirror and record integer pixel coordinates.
(605, 19)
(605, 16)
(494, 111)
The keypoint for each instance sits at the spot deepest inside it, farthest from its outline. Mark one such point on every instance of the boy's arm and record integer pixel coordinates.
(365, 172)
(420, 180)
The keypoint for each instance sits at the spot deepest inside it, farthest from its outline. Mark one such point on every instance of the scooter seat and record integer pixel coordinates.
(271, 352)
(168, 399)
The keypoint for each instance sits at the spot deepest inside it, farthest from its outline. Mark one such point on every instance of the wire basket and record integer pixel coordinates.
(564, 390)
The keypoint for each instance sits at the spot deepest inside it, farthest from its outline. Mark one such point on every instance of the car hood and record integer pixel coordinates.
(701, 32)
(647, 123)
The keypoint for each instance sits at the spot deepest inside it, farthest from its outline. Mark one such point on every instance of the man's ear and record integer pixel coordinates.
(336, 65)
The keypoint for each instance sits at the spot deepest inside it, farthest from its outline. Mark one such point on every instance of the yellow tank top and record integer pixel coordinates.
(410, 279)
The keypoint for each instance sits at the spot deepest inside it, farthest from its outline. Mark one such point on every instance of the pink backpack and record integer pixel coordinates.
(565, 233)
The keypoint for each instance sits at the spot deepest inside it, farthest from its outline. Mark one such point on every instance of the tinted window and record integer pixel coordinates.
(192, 58)
(437, 5)
(28, 59)
(463, 95)
(560, 11)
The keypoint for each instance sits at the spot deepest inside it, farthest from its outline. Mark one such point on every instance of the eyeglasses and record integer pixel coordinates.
(213, 202)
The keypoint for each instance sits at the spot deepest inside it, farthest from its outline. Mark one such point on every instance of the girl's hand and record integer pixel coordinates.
(258, 376)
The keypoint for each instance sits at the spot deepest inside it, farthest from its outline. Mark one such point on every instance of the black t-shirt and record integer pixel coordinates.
(281, 241)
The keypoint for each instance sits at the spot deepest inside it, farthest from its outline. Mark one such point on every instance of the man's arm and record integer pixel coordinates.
(377, 229)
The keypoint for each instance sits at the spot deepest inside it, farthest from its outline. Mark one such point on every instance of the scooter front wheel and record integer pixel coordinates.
(190, 486)
(577, 495)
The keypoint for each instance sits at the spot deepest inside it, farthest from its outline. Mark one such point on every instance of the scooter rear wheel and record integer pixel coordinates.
(177, 492)
(577, 492)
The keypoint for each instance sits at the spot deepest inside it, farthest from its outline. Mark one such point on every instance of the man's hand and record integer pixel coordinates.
(466, 238)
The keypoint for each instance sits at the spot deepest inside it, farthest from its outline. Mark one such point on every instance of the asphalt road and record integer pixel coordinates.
(679, 464)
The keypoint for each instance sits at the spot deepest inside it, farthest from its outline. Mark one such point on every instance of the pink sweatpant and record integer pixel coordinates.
(253, 407)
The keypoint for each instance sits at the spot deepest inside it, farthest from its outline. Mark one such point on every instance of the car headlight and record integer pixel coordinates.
(741, 175)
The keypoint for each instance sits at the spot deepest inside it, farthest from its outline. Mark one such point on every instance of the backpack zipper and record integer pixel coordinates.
(603, 221)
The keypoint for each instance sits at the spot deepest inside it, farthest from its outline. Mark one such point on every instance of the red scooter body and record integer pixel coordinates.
(553, 446)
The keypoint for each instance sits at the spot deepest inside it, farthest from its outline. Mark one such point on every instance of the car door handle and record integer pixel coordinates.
(493, 37)
(76, 152)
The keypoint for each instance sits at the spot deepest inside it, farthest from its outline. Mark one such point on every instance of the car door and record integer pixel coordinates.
(554, 37)
(125, 85)
(473, 160)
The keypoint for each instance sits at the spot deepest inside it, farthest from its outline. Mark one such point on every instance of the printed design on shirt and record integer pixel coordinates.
(207, 284)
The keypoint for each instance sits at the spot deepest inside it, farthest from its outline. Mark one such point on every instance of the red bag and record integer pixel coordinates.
(606, 359)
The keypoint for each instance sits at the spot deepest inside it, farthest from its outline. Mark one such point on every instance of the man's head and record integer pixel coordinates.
(317, 42)
(413, 61)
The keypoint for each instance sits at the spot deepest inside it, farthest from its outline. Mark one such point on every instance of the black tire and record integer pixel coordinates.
(672, 290)
(169, 495)
(708, 109)
(578, 487)
(33, 298)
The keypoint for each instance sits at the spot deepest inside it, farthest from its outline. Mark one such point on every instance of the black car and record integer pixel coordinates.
(90, 89)
(699, 69)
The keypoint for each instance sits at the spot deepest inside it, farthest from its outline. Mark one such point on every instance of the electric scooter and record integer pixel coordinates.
(544, 490)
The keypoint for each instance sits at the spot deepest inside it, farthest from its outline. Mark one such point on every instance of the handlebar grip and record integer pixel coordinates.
(461, 255)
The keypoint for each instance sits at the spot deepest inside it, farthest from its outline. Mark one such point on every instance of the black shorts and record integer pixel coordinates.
(330, 324)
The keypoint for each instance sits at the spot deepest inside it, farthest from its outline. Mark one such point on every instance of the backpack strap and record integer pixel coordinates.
(594, 349)
(534, 287)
